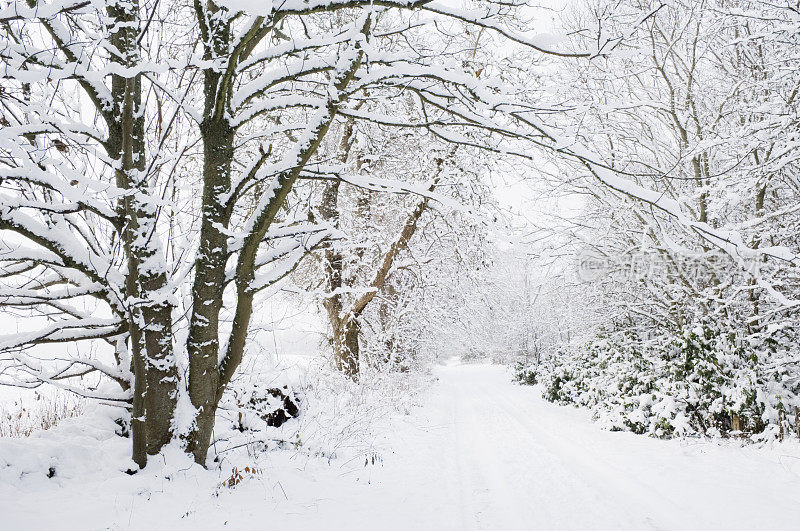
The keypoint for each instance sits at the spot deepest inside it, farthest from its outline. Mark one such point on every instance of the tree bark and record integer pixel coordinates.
(203, 343)
(209, 282)
(149, 314)
(346, 347)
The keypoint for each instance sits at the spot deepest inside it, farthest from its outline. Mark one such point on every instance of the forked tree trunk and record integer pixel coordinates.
(345, 323)
(203, 345)
(208, 375)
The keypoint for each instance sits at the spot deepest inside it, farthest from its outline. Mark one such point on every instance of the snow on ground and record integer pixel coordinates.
(482, 453)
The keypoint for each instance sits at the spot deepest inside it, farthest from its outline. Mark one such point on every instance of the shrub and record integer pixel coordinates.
(705, 379)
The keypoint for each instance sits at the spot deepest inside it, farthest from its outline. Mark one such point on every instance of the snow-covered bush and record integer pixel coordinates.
(705, 380)
(336, 417)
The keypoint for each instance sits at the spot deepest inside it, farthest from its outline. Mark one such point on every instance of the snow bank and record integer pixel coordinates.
(78, 468)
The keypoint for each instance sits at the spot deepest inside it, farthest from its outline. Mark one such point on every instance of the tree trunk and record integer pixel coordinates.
(345, 346)
(209, 282)
(384, 320)
(149, 315)
(154, 317)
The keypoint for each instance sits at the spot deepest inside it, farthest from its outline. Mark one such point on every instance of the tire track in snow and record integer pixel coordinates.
(514, 479)
(489, 504)
(627, 498)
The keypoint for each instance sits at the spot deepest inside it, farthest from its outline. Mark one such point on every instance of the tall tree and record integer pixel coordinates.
(110, 237)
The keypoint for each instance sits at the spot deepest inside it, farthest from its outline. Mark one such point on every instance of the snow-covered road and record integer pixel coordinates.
(483, 453)
(488, 454)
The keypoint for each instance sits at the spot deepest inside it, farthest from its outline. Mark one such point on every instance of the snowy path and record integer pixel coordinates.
(493, 455)
(484, 454)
